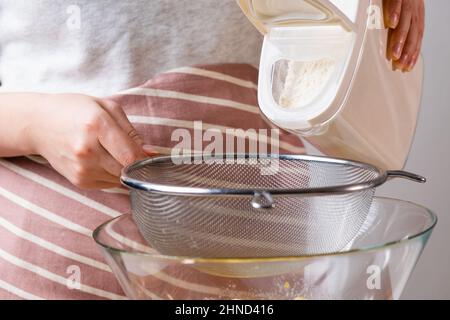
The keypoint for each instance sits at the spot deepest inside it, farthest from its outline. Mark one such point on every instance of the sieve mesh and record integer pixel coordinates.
(227, 225)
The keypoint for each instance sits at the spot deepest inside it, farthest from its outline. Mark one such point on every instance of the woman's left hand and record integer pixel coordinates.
(406, 20)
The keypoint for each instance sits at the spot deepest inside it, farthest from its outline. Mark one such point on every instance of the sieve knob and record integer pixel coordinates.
(262, 200)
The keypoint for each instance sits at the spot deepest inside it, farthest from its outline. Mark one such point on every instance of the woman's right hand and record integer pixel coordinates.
(86, 139)
(406, 21)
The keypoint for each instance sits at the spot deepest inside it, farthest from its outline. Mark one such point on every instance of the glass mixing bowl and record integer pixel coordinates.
(375, 265)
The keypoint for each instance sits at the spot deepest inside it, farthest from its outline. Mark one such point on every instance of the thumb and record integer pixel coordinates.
(150, 151)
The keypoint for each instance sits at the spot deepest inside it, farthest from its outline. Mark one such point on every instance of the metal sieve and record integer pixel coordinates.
(252, 206)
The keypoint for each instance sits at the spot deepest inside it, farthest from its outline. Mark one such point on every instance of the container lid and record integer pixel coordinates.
(265, 14)
(310, 54)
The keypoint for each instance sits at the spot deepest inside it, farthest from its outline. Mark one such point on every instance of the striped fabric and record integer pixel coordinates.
(46, 223)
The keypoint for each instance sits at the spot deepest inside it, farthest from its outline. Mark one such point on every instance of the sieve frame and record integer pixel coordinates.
(382, 177)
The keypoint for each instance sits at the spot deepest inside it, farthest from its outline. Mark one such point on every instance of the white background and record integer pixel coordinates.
(431, 157)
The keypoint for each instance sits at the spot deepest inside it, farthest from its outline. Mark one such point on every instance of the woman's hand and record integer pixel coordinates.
(88, 140)
(406, 19)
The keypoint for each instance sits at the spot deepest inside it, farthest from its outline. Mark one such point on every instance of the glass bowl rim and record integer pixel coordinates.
(199, 260)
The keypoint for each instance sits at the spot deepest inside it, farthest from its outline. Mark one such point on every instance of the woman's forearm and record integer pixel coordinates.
(16, 116)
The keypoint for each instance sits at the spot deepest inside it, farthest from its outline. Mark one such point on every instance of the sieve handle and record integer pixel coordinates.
(406, 175)
(262, 200)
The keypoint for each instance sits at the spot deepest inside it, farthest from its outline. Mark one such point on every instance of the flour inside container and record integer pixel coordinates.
(298, 83)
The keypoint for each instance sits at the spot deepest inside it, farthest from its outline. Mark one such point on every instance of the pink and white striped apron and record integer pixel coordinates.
(46, 223)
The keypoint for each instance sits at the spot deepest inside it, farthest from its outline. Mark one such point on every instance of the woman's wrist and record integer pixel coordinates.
(34, 112)
(19, 113)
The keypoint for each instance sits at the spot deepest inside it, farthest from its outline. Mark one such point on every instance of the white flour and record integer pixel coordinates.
(305, 81)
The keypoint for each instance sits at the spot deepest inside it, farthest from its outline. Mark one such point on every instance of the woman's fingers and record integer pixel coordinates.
(117, 113)
(422, 17)
(109, 164)
(150, 151)
(110, 179)
(400, 33)
(96, 185)
(416, 56)
(389, 45)
(410, 46)
(118, 143)
(392, 11)
(421, 23)
(405, 35)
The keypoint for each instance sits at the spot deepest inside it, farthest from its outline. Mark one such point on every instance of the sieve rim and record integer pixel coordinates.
(139, 185)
